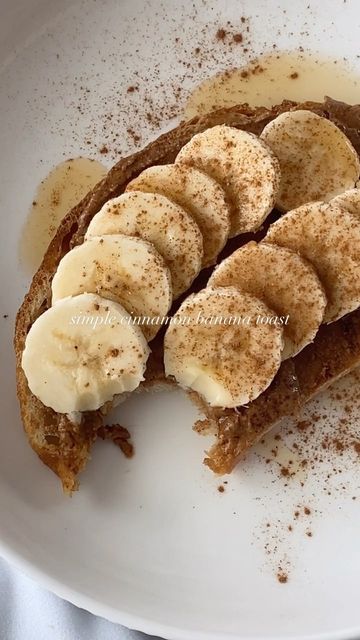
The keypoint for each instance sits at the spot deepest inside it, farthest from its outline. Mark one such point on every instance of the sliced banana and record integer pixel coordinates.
(329, 237)
(216, 346)
(349, 200)
(120, 268)
(155, 218)
(317, 160)
(284, 281)
(244, 166)
(82, 352)
(198, 194)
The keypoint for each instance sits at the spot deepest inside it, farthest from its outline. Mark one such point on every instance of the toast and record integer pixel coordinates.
(64, 442)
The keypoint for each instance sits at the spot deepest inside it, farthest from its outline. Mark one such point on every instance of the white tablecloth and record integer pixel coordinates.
(28, 612)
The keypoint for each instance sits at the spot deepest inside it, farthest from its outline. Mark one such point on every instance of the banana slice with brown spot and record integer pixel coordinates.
(329, 237)
(120, 268)
(82, 352)
(198, 194)
(245, 167)
(317, 160)
(220, 345)
(287, 283)
(155, 218)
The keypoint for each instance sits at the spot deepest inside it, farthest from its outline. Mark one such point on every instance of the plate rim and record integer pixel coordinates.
(46, 579)
(138, 622)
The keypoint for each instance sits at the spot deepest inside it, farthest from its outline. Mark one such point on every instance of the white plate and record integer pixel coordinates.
(150, 542)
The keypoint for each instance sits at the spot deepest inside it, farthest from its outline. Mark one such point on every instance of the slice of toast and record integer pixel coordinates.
(64, 444)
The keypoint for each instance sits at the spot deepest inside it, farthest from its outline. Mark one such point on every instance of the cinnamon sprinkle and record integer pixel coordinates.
(282, 577)
(221, 34)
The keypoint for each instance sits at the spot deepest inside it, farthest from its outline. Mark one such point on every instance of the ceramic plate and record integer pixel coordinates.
(152, 542)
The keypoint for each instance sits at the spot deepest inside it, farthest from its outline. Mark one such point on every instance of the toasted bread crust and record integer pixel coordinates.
(335, 352)
(64, 445)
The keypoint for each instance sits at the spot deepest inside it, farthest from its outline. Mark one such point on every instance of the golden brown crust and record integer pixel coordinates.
(61, 444)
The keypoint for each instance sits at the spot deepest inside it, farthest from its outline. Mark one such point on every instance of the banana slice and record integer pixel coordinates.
(329, 237)
(217, 346)
(198, 194)
(82, 352)
(284, 281)
(317, 160)
(245, 167)
(120, 268)
(349, 200)
(155, 218)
